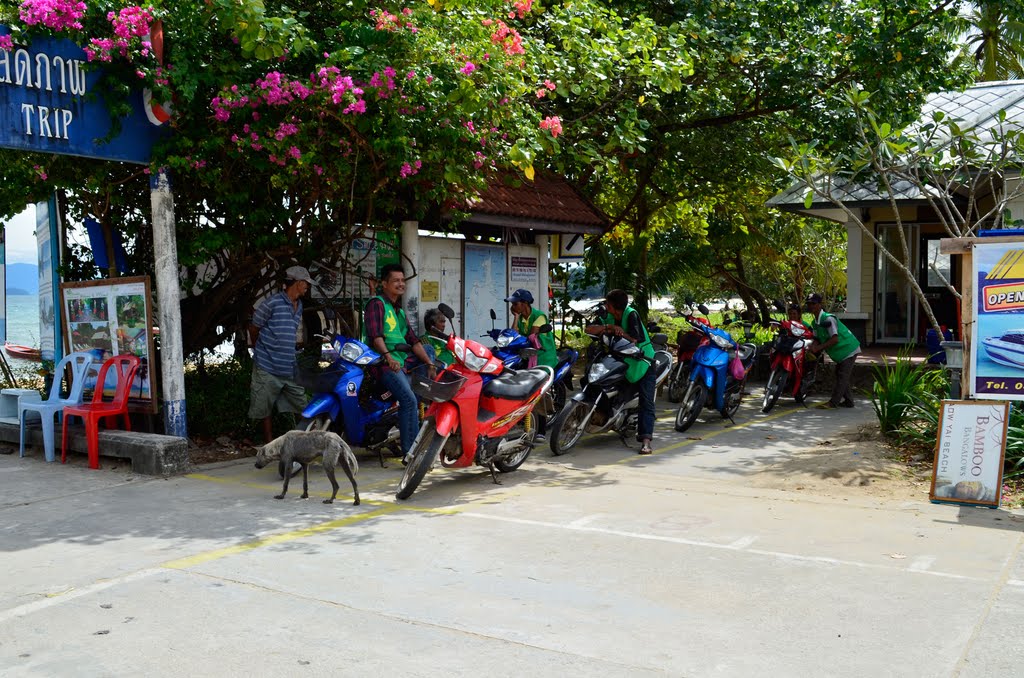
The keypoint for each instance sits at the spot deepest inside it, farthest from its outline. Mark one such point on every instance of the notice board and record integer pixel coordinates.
(969, 453)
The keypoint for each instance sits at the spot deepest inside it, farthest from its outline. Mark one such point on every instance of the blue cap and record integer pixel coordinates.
(521, 295)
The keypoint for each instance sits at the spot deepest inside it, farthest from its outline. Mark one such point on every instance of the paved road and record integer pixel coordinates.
(597, 563)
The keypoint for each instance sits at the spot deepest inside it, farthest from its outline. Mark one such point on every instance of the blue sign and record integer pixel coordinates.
(50, 102)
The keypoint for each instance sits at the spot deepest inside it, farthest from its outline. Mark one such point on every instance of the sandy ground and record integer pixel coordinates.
(855, 461)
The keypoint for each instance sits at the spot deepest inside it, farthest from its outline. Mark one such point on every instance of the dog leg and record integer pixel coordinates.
(347, 468)
(329, 469)
(305, 481)
(286, 459)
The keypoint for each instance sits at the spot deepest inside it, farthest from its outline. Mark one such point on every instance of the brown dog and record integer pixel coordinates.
(304, 447)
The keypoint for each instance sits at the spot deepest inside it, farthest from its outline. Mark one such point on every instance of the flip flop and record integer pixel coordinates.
(646, 449)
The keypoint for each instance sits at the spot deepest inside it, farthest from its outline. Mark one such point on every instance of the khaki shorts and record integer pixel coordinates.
(268, 390)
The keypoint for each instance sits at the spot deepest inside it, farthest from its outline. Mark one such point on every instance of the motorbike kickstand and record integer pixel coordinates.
(494, 476)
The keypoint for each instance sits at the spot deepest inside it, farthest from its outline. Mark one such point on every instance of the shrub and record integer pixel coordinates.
(1013, 464)
(899, 386)
(217, 401)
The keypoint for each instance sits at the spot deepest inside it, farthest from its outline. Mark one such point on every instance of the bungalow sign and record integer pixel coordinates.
(51, 102)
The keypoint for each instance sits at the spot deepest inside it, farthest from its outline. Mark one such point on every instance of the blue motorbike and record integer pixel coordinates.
(513, 349)
(711, 383)
(345, 401)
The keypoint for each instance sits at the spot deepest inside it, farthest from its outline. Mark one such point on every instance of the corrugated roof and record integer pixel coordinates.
(549, 202)
(976, 107)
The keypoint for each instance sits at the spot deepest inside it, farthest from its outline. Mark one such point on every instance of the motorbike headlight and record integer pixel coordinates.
(721, 342)
(473, 361)
(364, 360)
(504, 340)
(351, 352)
(596, 371)
(336, 343)
(628, 351)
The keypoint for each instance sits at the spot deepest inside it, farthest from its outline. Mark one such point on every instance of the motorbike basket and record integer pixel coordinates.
(440, 389)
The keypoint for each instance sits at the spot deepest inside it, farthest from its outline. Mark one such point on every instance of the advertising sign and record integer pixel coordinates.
(50, 102)
(113, 317)
(969, 453)
(997, 341)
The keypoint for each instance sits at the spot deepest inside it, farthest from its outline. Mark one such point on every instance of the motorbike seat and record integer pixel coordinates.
(515, 385)
(662, 361)
(746, 352)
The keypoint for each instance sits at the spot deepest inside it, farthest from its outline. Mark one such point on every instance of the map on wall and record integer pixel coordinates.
(484, 284)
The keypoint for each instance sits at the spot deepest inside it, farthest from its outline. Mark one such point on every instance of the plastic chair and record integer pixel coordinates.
(52, 408)
(125, 367)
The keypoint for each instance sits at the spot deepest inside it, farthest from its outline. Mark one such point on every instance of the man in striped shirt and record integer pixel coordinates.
(273, 333)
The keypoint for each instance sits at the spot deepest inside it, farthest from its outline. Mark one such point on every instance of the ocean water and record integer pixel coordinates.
(23, 320)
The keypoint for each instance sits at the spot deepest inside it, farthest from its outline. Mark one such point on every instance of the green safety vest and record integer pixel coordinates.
(395, 329)
(440, 348)
(546, 355)
(847, 343)
(635, 368)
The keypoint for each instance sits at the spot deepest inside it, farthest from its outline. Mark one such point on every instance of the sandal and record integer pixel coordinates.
(646, 448)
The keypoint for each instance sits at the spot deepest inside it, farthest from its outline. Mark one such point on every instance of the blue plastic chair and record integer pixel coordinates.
(53, 407)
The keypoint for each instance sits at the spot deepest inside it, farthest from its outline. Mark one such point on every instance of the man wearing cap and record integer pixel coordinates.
(384, 328)
(273, 332)
(528, 321)
(834, 338)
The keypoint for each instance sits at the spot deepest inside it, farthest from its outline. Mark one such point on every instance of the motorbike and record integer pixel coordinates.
(607, 402)
(480, 413)
(792, 365)
(345, 401)
(514, 349)
(687, 342)
(711, 383)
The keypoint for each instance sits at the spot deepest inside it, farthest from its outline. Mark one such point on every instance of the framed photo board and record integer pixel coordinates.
(112, 317)
(969, 452)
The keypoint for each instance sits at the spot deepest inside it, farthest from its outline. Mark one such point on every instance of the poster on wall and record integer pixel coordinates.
(997, 337)
(46, 244)
(524, 271)
(969, 453)
(113, 317)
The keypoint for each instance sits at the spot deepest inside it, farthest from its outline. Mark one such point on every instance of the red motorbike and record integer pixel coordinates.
(687, 342)
(792, 365)
(480, 413)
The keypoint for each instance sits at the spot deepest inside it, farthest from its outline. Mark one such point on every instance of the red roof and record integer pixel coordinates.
(549, 202)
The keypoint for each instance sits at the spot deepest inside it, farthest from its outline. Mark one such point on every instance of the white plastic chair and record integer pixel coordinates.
(53, 407)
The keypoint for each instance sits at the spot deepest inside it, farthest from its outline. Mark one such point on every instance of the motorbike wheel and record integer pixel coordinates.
(321, 422)
(693, 403)
(514, 461)
(559, 393)
(427, 449)
(732, 402)
(568, 427)
(776, 385)
(677, 383)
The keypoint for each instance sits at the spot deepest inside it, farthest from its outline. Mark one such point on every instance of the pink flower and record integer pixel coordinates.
(57, 15)
(6, 43)
(553, 124)
(410, 75)
(468, 68)
(549, 84)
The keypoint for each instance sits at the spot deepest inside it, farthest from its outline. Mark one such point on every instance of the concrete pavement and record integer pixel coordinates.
(600, 561)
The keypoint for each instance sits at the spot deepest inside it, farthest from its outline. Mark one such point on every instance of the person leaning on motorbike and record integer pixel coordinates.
(623, 320)
(384, 328)
(528, 321)
(834, 338)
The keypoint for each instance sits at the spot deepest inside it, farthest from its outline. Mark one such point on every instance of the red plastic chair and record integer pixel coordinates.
(125, 367)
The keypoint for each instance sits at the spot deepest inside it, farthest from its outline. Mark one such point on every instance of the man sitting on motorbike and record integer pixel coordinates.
(622, 320)
(437, 335)
(384, 327)
(528, 320)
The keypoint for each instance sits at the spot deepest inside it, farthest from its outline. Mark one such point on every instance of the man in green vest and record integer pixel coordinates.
(528, 320)
(384, 327)
(437, 335)
(623, 320)
(834, 338)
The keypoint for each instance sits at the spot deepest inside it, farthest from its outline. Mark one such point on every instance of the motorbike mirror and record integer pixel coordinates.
(703, 309)
(446, 310)
(545, 328)
(494, 316)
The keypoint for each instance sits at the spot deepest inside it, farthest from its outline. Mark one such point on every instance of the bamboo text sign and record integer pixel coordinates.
(970, 451)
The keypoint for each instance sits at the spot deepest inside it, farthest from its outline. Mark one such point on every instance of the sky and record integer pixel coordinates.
(20, 237)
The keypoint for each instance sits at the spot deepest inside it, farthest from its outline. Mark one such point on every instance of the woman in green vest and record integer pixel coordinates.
(623, 320)
(437, 335)
(833, 337)
(528, 321)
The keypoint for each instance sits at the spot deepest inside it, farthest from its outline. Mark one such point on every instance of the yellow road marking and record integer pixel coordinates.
(689, 441)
